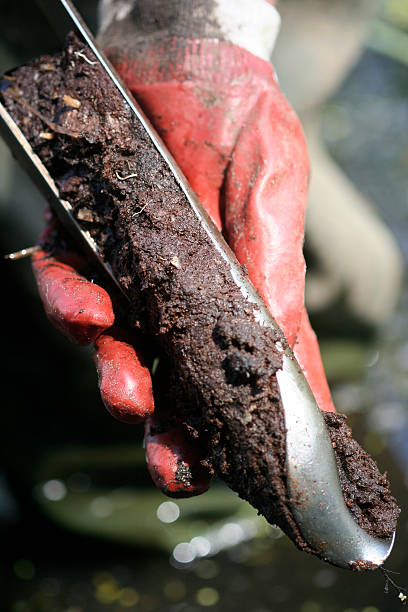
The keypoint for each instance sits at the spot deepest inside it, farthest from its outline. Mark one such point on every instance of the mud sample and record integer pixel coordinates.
(181, 290)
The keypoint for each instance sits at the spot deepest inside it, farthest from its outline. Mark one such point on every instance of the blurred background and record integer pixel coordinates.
(81, 526)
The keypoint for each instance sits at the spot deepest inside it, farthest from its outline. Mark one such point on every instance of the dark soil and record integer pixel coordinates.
(366, 491)
(182, 293)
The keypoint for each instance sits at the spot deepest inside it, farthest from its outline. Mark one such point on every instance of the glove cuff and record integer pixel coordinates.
(251, 24)
(215, 62)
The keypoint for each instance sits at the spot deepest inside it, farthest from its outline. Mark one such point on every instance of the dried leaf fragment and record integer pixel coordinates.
(85, 214)
(175, 262)
(47, 67)
(70, 101)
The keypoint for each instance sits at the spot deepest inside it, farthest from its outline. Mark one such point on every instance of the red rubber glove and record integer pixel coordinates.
(83, 311)
(220, 111)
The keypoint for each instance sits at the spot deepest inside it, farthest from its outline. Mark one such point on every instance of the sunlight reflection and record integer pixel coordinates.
(168, 512)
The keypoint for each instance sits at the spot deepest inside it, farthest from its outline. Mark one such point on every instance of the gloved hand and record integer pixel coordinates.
(219, 109)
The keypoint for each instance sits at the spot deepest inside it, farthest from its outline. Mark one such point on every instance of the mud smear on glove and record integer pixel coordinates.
(181, 290)
(147, 23)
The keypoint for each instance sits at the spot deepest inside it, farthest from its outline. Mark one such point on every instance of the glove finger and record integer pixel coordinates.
(80, 309)
(307, 352)
(124, 379)
(264, 205)
(264, 201)
(176, 462)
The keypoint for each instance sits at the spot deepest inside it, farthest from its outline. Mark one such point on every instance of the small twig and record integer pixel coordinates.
(125, 178)
(20, 100)
(402, 592)
(142, 209)
(90, 62)
(155, 365)
(23, 253)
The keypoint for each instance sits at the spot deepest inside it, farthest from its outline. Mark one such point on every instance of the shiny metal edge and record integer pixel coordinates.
(317, 501)
(23, 152)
